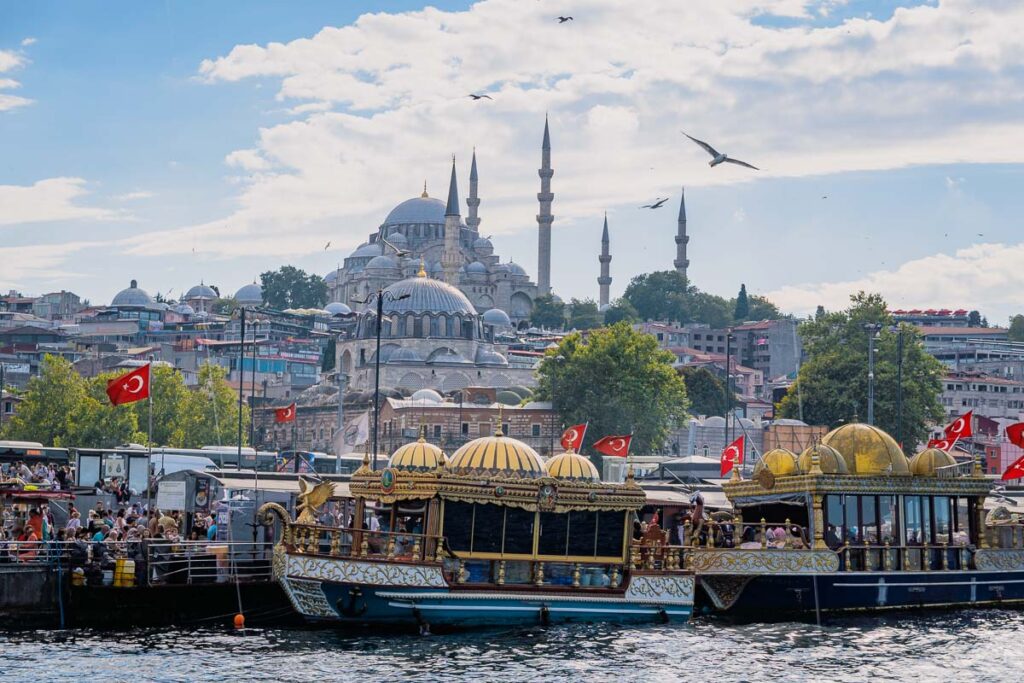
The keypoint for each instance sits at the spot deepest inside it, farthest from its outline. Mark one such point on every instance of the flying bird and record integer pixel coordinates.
(398, 252)
(327, 246)
(562, 20)
(718, 157)
(656, 205)
(479, 97)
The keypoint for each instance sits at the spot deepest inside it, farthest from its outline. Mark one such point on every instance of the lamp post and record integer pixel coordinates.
(728, 381)
(382, 295)
(872, 329)
(1, 396)
(899, 386)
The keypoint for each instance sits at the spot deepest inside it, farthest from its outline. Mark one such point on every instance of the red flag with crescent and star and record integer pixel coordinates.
(573, 437)
(129, 388)
(732, 455)
(613, 445)
(942, 444)
(960, 428)
(1015, 470)
(1015, 433)
(285, 414)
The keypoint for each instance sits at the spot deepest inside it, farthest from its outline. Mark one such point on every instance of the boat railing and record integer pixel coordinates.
(869, 557)
(402, 546)
(1007, 536)
(34, 553)
(195, 562)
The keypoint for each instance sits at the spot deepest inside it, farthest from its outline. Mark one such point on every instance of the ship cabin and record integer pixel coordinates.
(494, 513)
(860, 504)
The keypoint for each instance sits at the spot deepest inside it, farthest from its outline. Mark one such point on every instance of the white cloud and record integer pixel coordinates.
(9, 61)
(382, 103)
(53, 199)
(986, 277)
(28, 41)
(134, 196)
(26, 263)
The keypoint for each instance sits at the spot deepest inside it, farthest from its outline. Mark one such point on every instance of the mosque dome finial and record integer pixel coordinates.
(424, 195)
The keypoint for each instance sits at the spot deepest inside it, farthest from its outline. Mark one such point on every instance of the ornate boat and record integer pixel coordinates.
(855, 525)
(494, 536)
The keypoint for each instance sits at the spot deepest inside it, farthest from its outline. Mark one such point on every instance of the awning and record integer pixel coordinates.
(712, 499)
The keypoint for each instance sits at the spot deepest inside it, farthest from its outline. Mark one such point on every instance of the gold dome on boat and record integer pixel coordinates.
(867, 450)
(829, 459)
(573, 467)
(927, 462)
(418, 456)
(780, 462)
(497, 456)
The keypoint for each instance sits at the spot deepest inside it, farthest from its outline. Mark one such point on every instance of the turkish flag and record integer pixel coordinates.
(285, 414)
(732, 455)
(613, 445)
(1015, 471)
(1015, 433)
(942, 444)
(573, 437)
(961, 427)
(129, 388)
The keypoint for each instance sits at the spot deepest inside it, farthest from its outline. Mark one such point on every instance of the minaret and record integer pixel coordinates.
(682, 238)
(605, 258)
(451, 257)
(544, 218)
(473, 202)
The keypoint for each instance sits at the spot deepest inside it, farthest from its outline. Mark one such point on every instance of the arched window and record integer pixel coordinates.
(458, 327)
(435, 326)
(401, 327)
(449, 326)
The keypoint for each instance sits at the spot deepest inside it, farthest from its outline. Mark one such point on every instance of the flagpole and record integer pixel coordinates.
(241, 383)
(149, 458)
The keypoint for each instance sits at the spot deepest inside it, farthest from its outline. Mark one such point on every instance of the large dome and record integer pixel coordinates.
(417, 210)
(867, 450)
(928, 462)
(572, 467)
(497, 456)
(249, 294)
(201, 291)
(426, 295)
(132, 296)
(418, 456)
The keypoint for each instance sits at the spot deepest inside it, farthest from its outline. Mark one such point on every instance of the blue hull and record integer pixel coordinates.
(849, 592)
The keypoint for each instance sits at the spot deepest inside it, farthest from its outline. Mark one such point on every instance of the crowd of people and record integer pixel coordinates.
(46, 476)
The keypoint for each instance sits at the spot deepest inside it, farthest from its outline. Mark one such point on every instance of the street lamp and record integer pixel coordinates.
(872, 330)
(382, 295)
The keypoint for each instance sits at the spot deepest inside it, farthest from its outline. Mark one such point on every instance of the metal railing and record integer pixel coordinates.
(312, 539)
(194, 562)
(23, 553)
(1004, 536)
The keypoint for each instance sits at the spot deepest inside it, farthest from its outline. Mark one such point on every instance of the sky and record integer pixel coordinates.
(178, 142)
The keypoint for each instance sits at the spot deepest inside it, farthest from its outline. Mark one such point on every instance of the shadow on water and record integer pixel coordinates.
(981, 645)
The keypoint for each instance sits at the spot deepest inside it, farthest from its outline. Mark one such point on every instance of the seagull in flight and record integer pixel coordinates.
(562, 20)
(718, 157)
(480, 97)
(656, 205)
(327, 246)
(398, 252)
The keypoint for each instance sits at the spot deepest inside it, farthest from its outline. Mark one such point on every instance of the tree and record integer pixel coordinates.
(211, 417)
(762, 309)
(548, 312)
(291, 287)
(742, 310)
(619, 381)
(583, 314)
(96, 423)
(170, 406)
(223, 306)
(974, 319)
(49, 399)
(620, 309)
(832, 382)
(705, 391)
(1016, 331)
(819, 312)
(666, 295)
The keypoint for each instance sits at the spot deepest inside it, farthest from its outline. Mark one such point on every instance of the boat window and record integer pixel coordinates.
(554, 534)
(941, 510)
(912, 520)
(488, 521)
(927, 530)
(888, 520)
(458, 524)
(869, 520)
(962, 534)
(852, 520)
(519, 531)
(582, 532)
(611, 529)
(834, 515)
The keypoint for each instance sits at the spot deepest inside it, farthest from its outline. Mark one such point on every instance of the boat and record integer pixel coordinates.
(493, 536)
(852, 524)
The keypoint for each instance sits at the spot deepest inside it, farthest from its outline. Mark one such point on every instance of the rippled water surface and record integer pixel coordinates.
(960, 646)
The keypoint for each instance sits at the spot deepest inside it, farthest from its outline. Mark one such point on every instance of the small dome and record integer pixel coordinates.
(486, 356)
(381, 263)
(249, 294)
(397, 239)
(867, 450)
(476, 268)
(418, 456)
(184, 309)
(509, 398)
(427, 395)
(132, 296)
(778, 461)
(500, 268)
(523, 392)
(367, 250)
(200, 291)
(483, 244)
(417, 210)
(829, 459)
(337, 308)
(927, 462)
(331, 277)
(407, 355)
(572, 467)
(516, 269)
(497, 317)
(497, 456)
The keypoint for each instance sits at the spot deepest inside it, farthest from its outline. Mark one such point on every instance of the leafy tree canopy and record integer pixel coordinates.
(1016, 331)
(620, 309)
(705, 390)
(832, 382)
(742, 309)
(291, 287)
(619, 381)
(548, 312)
(583, 314)
(666, 295)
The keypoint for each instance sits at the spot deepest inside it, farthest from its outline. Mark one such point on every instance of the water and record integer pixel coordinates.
(961, 646)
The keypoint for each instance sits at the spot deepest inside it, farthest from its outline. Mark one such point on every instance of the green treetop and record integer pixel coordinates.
(705, 391)
(619, 381)
(291, 287)
(548, 312)
(742, 308)
(583, 314)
